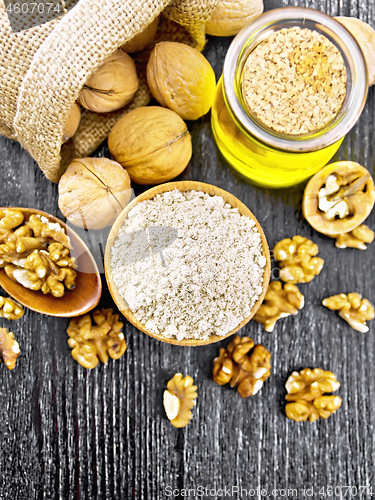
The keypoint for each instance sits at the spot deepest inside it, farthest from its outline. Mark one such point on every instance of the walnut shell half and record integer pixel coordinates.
(347, 190)
(93, 192)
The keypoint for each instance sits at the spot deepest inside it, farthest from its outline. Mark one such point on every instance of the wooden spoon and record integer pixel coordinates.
(81, 300)
(181, 186)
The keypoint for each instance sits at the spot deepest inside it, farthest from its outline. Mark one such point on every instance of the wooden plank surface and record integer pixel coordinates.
(71, 433)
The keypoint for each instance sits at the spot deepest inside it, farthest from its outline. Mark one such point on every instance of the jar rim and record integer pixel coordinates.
(338, 34)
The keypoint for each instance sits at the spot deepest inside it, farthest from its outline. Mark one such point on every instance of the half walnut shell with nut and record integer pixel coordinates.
(339, 198)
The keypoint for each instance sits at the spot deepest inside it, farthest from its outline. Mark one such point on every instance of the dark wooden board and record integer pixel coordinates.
(71, 433)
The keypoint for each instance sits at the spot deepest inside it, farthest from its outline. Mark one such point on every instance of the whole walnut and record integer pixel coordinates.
(365, 36)
(181, 79)
(93, 191)
(140, 41)
(230, 16)
(72, 123)
(112, 86)
(152, 143)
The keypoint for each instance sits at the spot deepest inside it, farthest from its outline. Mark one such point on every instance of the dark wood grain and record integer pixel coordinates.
(71, 433)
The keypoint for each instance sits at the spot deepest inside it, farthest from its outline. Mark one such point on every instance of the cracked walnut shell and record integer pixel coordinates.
(353, 309)
(339, 198)
(181, 79)
(243, 364)
(297, 258)
(96, 338)
(306, 399)
(9, 348)
(279, 303)
(10, 309)
(93, 192)
(152, 143)
(178, 399)
(356, 238)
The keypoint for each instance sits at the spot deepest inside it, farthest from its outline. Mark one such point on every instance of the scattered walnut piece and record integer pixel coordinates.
(244, 365)
(10, 309)
(298, 261)
(96, 338)
(352, 308)
(306, 400)
(9, 348)
(178, 399)
(339, 198)
(279, 303)
(356, 238)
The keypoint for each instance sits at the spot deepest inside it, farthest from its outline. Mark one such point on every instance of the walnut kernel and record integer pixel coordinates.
(37, 254)
(9, 309)
(243, 365)
(353, 309)
(356, 238)
(279, 303)
(9, 348)
(306, 400)
(179, 399)
(298, 261)
(96, 339)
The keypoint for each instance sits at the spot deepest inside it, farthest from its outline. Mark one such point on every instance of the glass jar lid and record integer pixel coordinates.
(356, 87)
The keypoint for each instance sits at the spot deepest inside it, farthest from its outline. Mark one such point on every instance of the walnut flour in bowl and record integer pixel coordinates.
(294, 82)
(188, 265)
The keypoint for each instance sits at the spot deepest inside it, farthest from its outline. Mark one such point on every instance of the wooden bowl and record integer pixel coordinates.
(181, 186)
(81, 300)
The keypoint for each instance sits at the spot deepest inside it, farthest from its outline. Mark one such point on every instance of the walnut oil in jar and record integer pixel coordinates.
(275, 149)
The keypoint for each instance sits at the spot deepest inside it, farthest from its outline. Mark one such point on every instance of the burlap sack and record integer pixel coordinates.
(43, 69)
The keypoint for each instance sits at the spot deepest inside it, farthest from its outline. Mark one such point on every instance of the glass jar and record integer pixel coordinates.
(259, 154)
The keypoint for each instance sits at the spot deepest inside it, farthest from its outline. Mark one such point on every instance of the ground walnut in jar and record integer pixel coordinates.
(294, 82)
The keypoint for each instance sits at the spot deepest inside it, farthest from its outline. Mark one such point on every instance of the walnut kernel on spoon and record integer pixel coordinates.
(339, 198)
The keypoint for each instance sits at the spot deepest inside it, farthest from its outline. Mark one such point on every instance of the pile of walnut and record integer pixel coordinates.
(9, 348)
(336, 202)
(243, 364)
(306, 395)
(36, 252)
(179, 399)
(96, 338)
(353, 309)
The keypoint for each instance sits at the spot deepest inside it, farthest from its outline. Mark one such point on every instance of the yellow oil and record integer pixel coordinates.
(258, 163)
